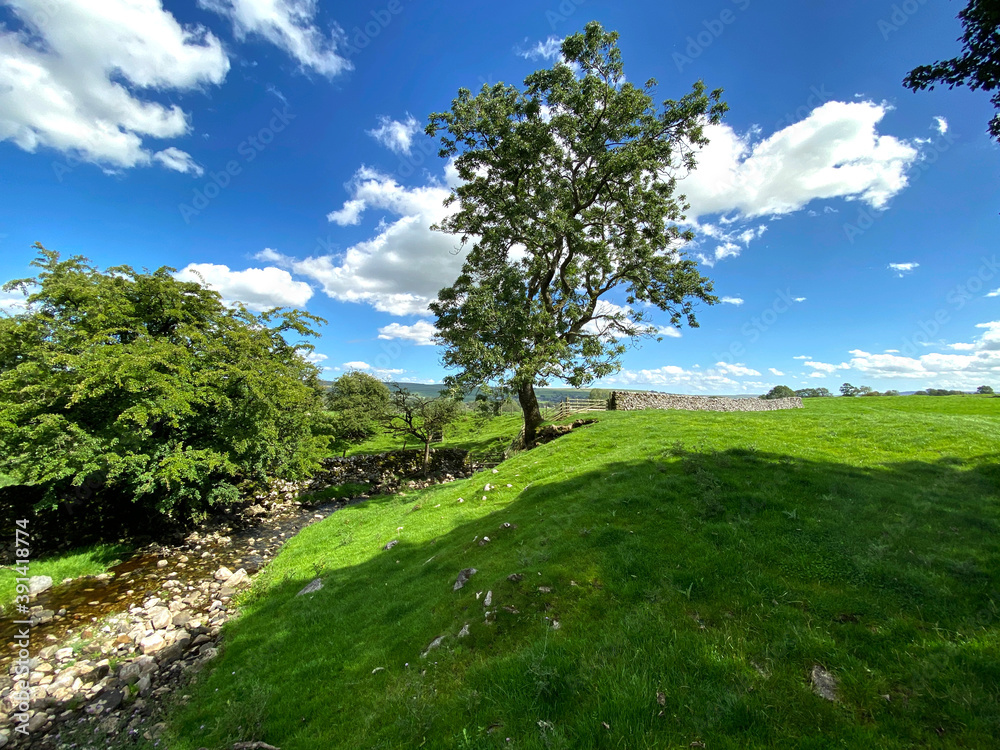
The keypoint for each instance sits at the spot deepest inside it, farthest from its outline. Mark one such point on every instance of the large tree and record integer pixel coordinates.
(359, 402)
(978, 67)
(567, 193)
(128, 397)
(420, 417)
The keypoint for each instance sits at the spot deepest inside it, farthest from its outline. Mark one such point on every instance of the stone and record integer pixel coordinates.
(42, 616)
(390, 545)
(431, 646)
(181, 619)
(634, 400)
(161, 563)
(223, 574)
(514, 577)
(64, 653)
(824, 684)
(4, 739)
(108, 701)
(144, 683)
(130, 673)
(463, 578)
(237, 579)
(152, 643)
(314, 585)
(464, 631)
(489, 599)
(38, 584)
(159, 617)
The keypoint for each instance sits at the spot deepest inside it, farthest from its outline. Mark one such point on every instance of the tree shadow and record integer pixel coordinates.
(680, 598)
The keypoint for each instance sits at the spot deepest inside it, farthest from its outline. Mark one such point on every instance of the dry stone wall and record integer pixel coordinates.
(634, 401)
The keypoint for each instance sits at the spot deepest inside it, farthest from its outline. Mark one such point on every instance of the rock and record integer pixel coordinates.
(489, 599)
(159, 617)
(514, 577)
(378, 669)
(390, 545)
(181, 619)
(431, 646)
(42, 616)
(38, 584)
(824, 684)
(237, 579)
(464, 631)
(64, 654)
(463, 578)
(4, 739)
(314, 585)
(208, 654)
(256, 510)
(223, 574)
(152, 643)
(130, 673)
(161, 563)
(144, 684)
(108, 701)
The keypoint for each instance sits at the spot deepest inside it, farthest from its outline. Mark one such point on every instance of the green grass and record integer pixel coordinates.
(468, 433)
(698, 564)
(84, 561)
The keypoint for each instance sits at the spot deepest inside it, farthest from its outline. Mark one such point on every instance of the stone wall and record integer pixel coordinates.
(632, 401)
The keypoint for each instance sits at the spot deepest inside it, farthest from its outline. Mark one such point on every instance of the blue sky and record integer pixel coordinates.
(275, 147)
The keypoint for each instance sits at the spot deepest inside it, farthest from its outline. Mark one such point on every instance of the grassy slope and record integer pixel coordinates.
(711, 558)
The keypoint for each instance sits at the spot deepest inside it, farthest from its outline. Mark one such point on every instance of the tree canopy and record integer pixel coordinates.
(359, 402)
(147, 395)
(420, 417)
(567, 194)
(779, 391)
(978, 67)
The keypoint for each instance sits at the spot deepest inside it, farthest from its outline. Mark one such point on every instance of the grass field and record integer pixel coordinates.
(699, 566)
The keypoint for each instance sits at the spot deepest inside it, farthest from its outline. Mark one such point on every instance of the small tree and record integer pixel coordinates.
(420, 417)
(849, 390)
(985, 389)
(779, 391)
(813, 393)
(567, 194)
(359, 402)
(891, 393)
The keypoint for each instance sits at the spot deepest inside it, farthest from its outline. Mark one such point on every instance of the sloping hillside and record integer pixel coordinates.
(657, 579)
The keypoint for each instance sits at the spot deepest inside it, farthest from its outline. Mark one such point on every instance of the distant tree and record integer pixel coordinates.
(891, 393)
(567, 194)
(813, 393)
(920, 393)
(984, 389)
(358, 402)
(865, 390)
(979, 65)
(148, 393)
(849, 390)
(599, 394)
(779, 391)
(420, 417)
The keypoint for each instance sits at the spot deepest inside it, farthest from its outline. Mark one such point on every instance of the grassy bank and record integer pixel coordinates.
(699, 566)
(85, 561)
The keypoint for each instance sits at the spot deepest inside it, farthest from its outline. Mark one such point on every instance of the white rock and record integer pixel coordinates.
(152, 643)
(223, 573)
(489, 599)
(237, 579)
(38, 584)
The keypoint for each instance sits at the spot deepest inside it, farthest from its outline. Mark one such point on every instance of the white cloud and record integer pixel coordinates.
(732, 242)
(357, 366)
(258, 288)
(779, 373)
(73, 78)
(836, 152)
(12, 303)
(817, 375)
(902, 269)
(732, 301)
(669, 331)
(720, 379)
(179, 161)
(799, 299)
(379, 372)
(289, 25)
(395, 135)
(994, 293)
(940, 125)
(550, 49)
(802, 356)
(421, 333)
(315, 357)
(399, 270)
(825, 367)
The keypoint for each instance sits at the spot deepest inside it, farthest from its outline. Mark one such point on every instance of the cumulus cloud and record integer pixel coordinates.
(289, 25)
(669, 331)
(825, 366)
(835, 152)
(901, 269)
(994, 293)
(773, 371)
(940, 125)
(257, 288)
(179, 161)
(802, 356)
(12, 303)
(315, 357)
(73, 78)
(420, 333)
(379, 372)
(799, 299)
(395, 135)
(399, 270)
(732, 301)
(720, 379)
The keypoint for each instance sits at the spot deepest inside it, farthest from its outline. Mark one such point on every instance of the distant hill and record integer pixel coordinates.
(545, 395)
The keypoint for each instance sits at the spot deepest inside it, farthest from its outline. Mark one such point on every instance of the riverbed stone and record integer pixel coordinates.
(159, 617)
(223, 573)
(152, 643)
(38, 584)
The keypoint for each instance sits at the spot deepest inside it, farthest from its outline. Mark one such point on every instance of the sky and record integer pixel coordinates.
(274, 149)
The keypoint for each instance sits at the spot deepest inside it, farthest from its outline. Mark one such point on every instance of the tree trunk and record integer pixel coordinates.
(532, 414)
(427, 455)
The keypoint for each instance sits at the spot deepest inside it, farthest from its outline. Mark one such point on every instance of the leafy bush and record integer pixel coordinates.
(779, 391)
(359, 402)
(136, 397)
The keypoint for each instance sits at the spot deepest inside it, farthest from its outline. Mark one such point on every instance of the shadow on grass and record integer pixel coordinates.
(662, 602)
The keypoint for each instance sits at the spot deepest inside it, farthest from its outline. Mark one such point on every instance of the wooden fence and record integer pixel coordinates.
(565, 408)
